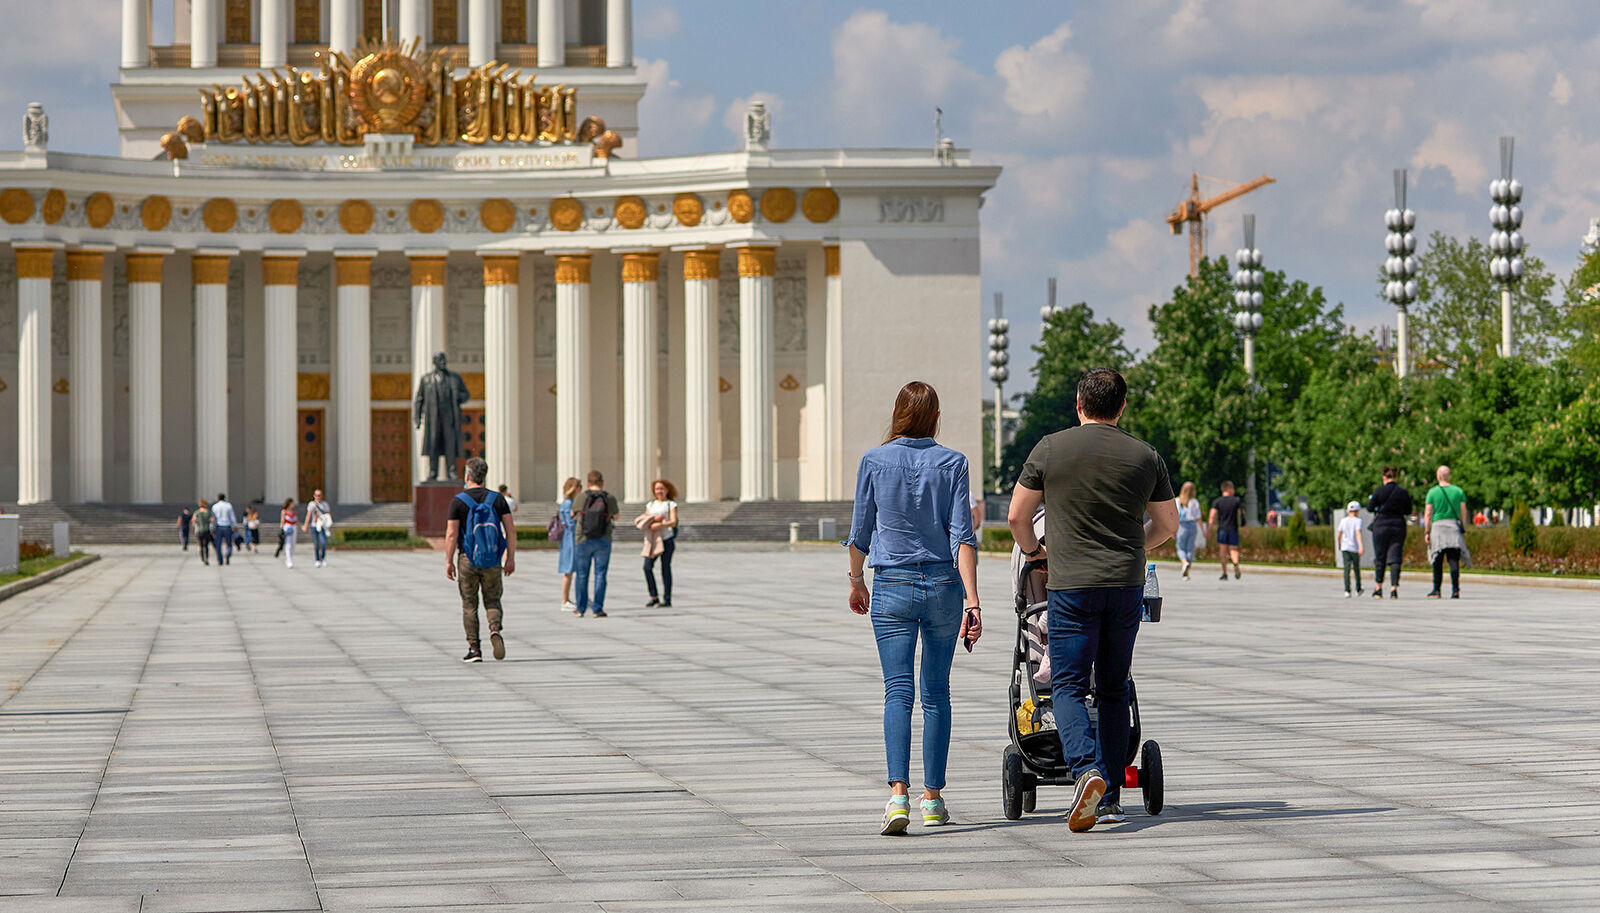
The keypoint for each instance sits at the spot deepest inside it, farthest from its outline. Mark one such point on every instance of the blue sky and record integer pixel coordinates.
(1098, 111)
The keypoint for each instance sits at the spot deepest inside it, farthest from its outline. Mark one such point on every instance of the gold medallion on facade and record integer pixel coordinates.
(630, 211)
(285, 216)
(219, 214)
(819, 204)
(155, 212)
(777, 204)
(687, 209)
(99, 209)
(387, 89)
(566, 214)
(355, 217)
(54, 207)
(740, 206)
(426, 216)
(16, 205)
(497, 215)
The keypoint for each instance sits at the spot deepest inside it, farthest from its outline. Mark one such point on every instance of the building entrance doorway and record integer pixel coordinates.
(313, 457)
(391, 456)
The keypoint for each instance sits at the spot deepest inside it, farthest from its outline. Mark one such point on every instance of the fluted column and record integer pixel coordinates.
(274, 35)
(757, 451)
(35, 270)
(280, 281)
(427, 329)
(702, 480)
(500, 369)
(572, 353)
(344, 25)
(619, 33)
(833, 377)
(135, 33)
(210, 373)
(353, 377)
(144, 375)
(203, 35)
(552, 34)
(639, 373)
(85, 390)
(481, 33)
(413, 21)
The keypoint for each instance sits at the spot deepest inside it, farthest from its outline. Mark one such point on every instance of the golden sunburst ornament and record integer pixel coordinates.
(388, 87)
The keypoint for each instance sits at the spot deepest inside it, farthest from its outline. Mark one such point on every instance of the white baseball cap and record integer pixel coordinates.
(1353, 505)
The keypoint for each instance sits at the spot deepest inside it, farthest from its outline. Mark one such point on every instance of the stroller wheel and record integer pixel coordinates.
(1011, 779)
(1030, 800)
(1150, 777)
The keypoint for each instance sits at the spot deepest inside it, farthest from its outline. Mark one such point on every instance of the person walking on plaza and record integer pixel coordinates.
(202, 532)
(223, 520)
(505, 492)
(1191, 529)
(596, 520)
(252, 528)
(480, 535)
(1097, 482)
(912, 524)
(660, 524)
(1444, 529)
(185, 523)
(1391, 511)
(565, 524)
(319, 520)
(286, 533)
(1227, 513)
(1350, 547)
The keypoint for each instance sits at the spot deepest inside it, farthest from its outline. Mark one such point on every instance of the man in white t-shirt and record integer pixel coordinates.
(1348, 541)
(222, 522)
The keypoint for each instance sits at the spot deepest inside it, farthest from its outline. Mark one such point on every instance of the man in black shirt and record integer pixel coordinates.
(471, 580)
(1391, 507)
(1226, 515)
(1096, 482)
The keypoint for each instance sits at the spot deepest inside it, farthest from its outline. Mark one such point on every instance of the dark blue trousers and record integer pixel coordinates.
(1093, 630)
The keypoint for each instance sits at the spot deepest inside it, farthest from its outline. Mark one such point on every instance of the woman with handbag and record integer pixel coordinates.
(563, 528)
(660, 524)
(319, 519)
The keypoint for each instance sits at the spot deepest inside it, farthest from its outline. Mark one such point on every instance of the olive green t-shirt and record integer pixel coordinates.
(1096, 480)
(1446, 501)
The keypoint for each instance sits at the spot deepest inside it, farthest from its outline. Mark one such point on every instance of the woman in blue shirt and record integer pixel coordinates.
(912, 526)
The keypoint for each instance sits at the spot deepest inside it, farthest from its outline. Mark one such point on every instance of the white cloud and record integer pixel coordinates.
(1044, 79)
(657, 22)
(1450, 147)
(891, 75)
(1561, 89)
(670, 119)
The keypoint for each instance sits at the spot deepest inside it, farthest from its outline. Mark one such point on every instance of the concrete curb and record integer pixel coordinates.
(26, 584)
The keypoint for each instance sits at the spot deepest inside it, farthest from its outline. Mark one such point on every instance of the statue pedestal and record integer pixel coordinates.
(430, 507)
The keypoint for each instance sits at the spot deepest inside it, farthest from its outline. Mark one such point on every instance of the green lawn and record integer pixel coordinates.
(32, 566)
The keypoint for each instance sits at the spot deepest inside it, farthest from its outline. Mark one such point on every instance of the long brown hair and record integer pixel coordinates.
(571, 487)
(916, 412)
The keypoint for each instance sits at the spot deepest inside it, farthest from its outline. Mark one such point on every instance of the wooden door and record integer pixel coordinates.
(312, 451)
(472, 438)
(391, 455)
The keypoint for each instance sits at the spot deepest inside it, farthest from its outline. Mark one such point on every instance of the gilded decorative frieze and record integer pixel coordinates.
(98, 209)
(54, 206)
(629, 211)
(391, 387)
(312, 385)
(16, 205)
(740, 206)
(777, 204)
(566, 214)
(285, 216)
(219, 214)
(474, 382)
(497, 215)
(356, 216)
(426, 216)
(687, 209)
(820, 204)
(155, 212)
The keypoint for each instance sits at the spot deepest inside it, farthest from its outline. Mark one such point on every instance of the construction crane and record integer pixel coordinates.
(1194, 209)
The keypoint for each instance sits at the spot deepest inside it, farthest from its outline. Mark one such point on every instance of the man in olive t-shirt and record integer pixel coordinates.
(1096, 482)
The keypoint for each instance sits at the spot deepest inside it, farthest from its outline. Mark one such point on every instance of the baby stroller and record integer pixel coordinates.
(1034, 755)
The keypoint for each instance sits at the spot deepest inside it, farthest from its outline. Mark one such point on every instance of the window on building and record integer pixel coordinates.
(592, 22)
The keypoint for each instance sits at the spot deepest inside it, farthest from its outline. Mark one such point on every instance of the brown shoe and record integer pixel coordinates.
(1090, 788)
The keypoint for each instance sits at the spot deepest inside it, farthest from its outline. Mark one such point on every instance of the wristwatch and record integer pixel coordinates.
(1036, 551)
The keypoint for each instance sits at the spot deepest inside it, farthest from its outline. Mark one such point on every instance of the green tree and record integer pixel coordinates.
(1524, 534)
(1582, 296)
(1456, 318)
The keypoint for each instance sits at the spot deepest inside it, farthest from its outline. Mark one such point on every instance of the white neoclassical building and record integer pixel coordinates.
(312, 200)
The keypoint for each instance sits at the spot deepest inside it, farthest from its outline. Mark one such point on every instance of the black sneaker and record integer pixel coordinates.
(1393, 594)
(1378, 593)
(473, 656)
(600, 614)
(1086, 800)
(1110, 813)
(498, 644)
(1434, 595)
(1224, 576)
(1456, 595)
(652, 603)
(666, 603)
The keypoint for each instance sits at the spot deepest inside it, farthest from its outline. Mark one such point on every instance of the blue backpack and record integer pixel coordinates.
(483, 540)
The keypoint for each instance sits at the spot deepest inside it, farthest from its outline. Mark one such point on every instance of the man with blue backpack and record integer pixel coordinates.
(479, 536)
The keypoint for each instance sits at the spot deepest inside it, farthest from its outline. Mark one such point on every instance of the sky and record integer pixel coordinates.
(1098, 112)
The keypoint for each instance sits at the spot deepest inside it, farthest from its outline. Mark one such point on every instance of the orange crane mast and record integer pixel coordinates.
(1193, 211)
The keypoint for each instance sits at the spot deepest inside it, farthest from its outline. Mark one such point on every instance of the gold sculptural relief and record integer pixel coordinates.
(426, 216)
(820, 204)
(687, 209)
(629, 211)
(85, 264)
(209, 269)
(740, 206)
(353, 270)
(572, 269)
(144, 266)
(777, 204)
(702, 264)
(641, 266)
(285, 216)
(280, 270)
(566, 214)
(356, 217)
(497, 215)
(16, 205)
(219, 214)
(54, 206)
(500, 269)
(155, 212)
(36, 262)
(758, 261)
(99, 209)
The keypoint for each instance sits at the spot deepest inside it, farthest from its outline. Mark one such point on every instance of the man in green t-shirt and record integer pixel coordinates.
(1444, 531)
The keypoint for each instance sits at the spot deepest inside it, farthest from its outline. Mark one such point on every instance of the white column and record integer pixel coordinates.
(427, 330)
(572, 353)
(35, 269)
(702, 480)
(414, 21)
(619, 33)
(833, 378)
(344, 25)
(757, 427)
(500, 370)
(203, 43)
(274, 35)
(640, 370)
(481, 33)
(280, 281)
(552, 36)
(210, 373)
(352, 385)
(135, 33)
(144, 375)
(85, 389)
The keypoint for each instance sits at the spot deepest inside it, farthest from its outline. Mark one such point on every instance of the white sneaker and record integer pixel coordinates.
(288, 562)
(569, 606)
(1347, 594)
(319, 564)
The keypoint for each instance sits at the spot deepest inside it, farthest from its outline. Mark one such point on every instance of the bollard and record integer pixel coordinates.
(63, 544)
(10, 543)
(828, 529)
(794, 533)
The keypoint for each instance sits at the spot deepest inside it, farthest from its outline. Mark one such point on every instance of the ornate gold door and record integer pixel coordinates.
(391, 455)
(312, 460)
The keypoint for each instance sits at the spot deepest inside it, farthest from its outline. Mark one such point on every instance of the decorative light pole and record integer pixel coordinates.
(999, 342)
(1401, 267)
(1050, 308)
(1506, 242)
(1247, 298)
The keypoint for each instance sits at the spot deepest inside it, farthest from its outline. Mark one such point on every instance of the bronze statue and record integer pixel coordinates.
(437, 412)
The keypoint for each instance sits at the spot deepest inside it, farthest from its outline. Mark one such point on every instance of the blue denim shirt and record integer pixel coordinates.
(911, 504)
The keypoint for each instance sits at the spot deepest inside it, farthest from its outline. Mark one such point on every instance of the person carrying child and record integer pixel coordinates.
(1348, 542)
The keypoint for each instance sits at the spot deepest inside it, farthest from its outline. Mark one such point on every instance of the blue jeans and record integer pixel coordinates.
(597, 551)
(223, 535)
(1188, 537)
(319, 543)
(1093, 629)
(906, 601)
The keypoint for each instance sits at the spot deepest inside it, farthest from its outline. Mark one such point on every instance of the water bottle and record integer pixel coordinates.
(1152, 595)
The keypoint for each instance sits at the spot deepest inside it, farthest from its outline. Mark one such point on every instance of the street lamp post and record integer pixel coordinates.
(1247, 298)
(1401, 267)
(1506, 242)
(999, 342)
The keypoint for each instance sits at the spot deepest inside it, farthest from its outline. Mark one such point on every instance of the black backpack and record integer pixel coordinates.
(596, 515)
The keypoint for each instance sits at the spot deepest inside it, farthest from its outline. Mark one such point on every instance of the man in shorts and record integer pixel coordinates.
(1096, 482)
(1227, 513)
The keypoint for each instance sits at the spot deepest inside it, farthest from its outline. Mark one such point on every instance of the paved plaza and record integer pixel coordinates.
(175, 737)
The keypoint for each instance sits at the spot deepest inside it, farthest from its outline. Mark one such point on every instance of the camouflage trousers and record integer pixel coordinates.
(471, 581)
